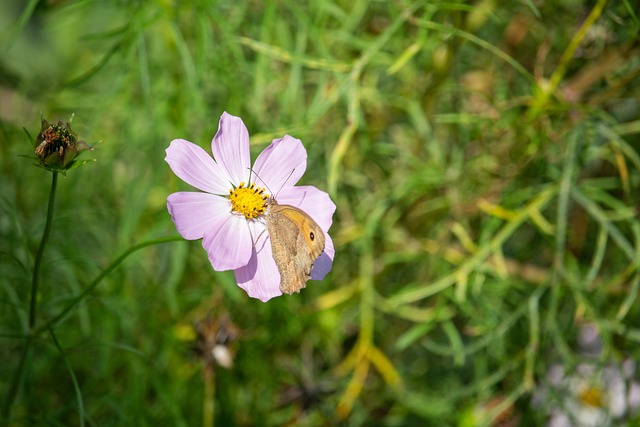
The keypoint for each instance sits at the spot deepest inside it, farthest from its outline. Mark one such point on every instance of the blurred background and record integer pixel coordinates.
(484, 158)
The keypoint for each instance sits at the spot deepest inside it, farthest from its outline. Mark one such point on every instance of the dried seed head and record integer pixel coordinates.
(57, 145)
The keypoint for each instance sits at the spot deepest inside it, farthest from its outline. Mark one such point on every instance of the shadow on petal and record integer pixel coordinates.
(322, 266)
(260, 277)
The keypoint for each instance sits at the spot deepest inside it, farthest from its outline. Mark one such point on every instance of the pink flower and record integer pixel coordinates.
(234, 234)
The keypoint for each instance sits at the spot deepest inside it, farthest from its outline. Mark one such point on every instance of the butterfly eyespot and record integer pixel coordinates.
(312, 236)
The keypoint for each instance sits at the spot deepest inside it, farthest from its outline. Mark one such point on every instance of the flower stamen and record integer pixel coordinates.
(592, 396)
(249, 201)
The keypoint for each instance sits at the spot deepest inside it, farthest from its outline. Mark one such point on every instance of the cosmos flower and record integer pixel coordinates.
(228, 212)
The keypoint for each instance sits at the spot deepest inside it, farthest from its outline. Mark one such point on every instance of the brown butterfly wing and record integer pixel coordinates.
(296, 241)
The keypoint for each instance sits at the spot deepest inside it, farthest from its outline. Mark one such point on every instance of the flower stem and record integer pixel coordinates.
(36, 268)
(50, 324)
(15, 382)
(209, 398)
(61, 315)
(17, 377)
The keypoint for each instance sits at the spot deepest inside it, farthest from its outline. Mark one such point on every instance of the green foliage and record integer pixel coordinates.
(484, 159)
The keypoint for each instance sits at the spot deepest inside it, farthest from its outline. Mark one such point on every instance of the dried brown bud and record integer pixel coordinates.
(214, 339)
(57, 146)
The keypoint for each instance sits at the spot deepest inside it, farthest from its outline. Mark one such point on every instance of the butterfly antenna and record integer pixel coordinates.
(259, 177)
(283, 183)
(265, 184)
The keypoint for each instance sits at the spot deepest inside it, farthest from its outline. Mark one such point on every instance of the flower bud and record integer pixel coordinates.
(57, 146)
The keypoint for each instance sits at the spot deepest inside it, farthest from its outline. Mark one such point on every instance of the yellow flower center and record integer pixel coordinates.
(249, 201)
(591, 396)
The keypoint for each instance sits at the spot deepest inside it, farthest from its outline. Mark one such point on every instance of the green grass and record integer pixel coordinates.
(484, 159)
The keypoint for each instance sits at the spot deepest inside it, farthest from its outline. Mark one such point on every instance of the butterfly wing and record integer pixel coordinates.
(296, 242)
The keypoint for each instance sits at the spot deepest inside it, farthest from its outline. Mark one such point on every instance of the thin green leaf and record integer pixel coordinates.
(72, 375)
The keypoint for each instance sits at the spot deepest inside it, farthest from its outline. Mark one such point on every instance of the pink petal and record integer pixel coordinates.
(194, 214)
(323, 264)
(281, 164)
(228, 243)
(316, 203)
(230, 147)
(195, 166)
(260, 277)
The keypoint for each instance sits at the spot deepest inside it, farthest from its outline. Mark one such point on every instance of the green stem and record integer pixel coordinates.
(36, 268)
(56, 319)
(15, 383)
(209, 398)
(542, 98)
(33, 307)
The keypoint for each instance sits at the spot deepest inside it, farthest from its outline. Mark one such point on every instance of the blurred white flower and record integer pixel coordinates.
(591, 395)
